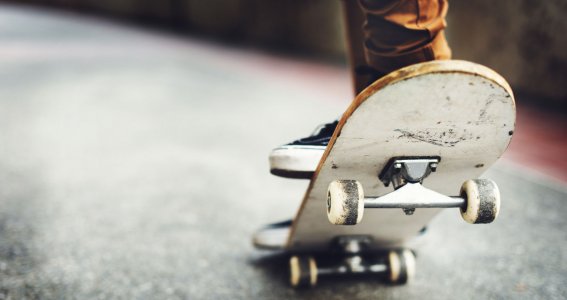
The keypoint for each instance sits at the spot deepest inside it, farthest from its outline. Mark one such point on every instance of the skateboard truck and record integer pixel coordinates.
(411, 170)
(479, 199)
(398, 267)
(400, 171)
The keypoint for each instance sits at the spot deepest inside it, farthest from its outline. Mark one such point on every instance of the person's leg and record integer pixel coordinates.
(399, 33)
(362, 74)
(383, 36)
(386, 35)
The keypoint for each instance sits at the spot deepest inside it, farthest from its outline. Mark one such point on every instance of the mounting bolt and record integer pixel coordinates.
(398, 165)
(408, 211)
(433, 166)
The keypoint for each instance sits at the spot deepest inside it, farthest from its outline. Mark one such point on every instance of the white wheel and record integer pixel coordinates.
(345, 202)
(303, 271)
(482, 201)
(401, 266)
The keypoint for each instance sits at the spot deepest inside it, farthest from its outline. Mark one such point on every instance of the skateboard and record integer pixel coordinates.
(410, 144)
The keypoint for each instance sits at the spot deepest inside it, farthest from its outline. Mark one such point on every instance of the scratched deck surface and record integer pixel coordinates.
(457, 110)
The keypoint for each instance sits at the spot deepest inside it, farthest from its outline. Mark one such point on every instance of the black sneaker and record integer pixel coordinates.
(300, 158)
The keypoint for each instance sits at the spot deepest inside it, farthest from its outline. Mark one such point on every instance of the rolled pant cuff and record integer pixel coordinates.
(388, 62)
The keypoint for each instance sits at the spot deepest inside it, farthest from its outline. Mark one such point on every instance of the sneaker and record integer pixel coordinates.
(300, 158)
(273, 236)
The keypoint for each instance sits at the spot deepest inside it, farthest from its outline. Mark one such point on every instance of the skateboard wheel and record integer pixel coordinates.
(482, 201)
(303, 271)
(345, 202)
(401, 266)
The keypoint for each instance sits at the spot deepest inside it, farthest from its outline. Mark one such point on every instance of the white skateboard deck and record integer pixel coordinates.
(459, 111)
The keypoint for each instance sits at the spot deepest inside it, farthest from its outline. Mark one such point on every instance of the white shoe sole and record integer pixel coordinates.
(295, 161)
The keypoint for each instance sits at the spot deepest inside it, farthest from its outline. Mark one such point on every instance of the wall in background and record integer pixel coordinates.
(303, 26)
(524, 40)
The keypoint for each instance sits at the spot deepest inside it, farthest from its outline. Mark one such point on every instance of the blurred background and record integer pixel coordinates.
(523, 40)
(134, 137)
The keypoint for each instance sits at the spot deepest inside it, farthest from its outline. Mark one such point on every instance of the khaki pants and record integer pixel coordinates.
(385, 35)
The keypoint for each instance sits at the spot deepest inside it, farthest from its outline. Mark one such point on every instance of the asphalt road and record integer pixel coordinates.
(133, 165)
